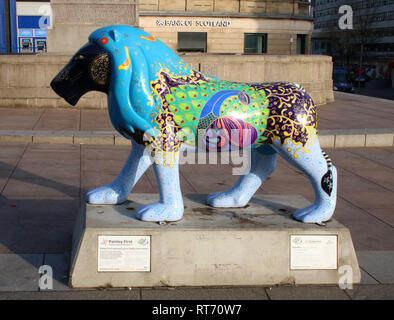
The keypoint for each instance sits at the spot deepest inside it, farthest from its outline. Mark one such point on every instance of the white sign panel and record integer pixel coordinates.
(309, 252)
(123, 253)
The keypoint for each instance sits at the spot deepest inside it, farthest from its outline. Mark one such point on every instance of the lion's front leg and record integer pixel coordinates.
(170, 207)
(118, 190)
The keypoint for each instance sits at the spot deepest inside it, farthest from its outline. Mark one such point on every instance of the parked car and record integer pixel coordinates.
(342, 80)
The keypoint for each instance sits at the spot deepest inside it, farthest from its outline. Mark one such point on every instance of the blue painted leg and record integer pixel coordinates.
(321, 173)
(263, 163)
(170, 207)
(118, 190)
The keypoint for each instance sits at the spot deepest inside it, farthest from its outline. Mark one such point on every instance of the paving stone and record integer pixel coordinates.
(98, 166)
(204, 294)
(382, 156)
(279, 184)
(307, 293)
(366, 278)
(362, 167)
(200, 177)
(30, 236)
(379, 264)
(38, 210)
(368, 233)
(59, 119)
(60, 264)
(93, 179)
(11, 150)
(7, 166)
(105, 152)
(353, 159)
(49, 153)
(94, 119)
(386, 215)
(61, 171)
(19, 119)
(364, 193)
(42, 188)
(372, 292)
(355, 111)
(20, 272)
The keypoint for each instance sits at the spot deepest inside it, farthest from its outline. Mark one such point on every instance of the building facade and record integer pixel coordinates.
(23, 26)
(373, 24)
(229, 26)
(212, 26)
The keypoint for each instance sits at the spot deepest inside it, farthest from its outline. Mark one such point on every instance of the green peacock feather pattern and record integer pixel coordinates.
(197, 103)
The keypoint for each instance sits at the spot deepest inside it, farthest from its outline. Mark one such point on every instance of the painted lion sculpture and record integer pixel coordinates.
(153, 93)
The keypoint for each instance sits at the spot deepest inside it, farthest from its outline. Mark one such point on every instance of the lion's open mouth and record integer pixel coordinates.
(63, 92)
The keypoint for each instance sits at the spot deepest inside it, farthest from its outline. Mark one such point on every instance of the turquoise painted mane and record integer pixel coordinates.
(136, 58)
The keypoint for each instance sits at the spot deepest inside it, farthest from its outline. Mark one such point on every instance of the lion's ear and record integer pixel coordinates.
(114, 34)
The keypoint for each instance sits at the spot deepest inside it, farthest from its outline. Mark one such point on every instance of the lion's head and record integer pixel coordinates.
(123, 62)
(88, 70)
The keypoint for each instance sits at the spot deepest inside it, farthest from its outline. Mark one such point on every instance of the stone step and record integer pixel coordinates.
(328, 138)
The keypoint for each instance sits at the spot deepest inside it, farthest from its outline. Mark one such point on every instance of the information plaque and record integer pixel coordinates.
(310, 252)
(124, 253)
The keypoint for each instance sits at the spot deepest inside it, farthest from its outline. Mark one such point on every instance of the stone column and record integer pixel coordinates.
(74, 20)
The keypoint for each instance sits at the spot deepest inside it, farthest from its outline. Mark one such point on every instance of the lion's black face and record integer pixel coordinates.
(88, 70)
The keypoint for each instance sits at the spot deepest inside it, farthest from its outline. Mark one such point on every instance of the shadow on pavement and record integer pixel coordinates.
(35, 224)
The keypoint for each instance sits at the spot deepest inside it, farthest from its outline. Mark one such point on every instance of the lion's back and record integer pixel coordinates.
(291, 111)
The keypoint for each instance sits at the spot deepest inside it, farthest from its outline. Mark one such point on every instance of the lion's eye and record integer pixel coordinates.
(79, 57)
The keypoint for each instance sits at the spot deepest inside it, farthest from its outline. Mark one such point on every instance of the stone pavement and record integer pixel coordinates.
(42, 186)
(380, 88)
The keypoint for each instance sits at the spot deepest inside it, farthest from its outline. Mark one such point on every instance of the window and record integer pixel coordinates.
(255, 43)
(192, 41)
(301, 43)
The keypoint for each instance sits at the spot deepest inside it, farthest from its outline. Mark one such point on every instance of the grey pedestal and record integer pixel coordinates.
(209, 246)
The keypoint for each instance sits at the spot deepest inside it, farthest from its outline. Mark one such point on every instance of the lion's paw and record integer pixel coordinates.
(315, 213)
(105, 195)
(226, 199)
(159, 212)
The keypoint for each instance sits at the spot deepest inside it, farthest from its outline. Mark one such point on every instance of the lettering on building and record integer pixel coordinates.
(193, 23)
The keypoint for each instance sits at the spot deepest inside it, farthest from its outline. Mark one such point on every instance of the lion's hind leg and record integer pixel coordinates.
(316, 165)
(263, 163)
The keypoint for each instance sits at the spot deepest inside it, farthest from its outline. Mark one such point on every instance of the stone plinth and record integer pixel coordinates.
(75, 20)
(209, 247)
